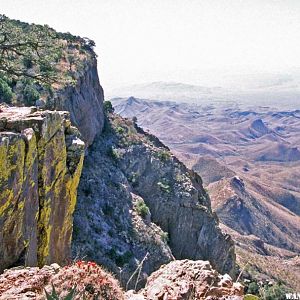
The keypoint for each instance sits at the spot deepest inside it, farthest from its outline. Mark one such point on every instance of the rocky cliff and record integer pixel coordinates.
(84, 101)
(138, 206)
(138, 203)
(41, 159)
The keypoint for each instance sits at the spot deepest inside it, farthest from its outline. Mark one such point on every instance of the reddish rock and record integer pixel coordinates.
(187, 280)
(30, 283)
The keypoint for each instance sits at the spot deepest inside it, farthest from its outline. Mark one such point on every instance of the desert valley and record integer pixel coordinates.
(249, 159)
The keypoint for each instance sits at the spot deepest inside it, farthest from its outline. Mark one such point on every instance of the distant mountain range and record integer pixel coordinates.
(280, 93)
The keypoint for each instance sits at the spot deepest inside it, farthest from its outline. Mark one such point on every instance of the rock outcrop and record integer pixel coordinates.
(178, 280)
(136, 200)
(91, 282)
(185, 280)
(41, 159)
(84, 101)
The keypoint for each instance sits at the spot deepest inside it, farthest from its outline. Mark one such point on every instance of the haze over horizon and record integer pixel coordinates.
(196, 42)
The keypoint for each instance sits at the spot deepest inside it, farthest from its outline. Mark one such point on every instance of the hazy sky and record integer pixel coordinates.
(179, 40)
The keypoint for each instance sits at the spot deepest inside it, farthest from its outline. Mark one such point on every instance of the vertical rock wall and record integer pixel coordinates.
(41, 160)
(84, 101)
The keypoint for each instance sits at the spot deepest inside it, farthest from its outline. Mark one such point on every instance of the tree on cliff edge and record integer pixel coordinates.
(28, 51)
(39, 53)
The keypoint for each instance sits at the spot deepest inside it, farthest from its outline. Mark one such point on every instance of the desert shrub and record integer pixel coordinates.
(163, 155)
(276, 291)
(253, 288)
(108, 108)
(266, 291)
(165, 237)
(120, 259)
(6, 93)
(113, 153)
(142, 209)
(30, 94)
(133, 178)
(76, 231)
(120, 130)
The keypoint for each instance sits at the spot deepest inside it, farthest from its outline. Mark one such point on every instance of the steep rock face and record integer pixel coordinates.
(84, 101)
(124, 170)
(178, 204)
(41, 160)
(109, 227)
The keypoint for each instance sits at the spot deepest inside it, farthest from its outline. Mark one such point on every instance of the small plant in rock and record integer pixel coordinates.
(164, 186)
(54, 296)
(180, 178)
(163, 155)
(120, 130)
(165, 237)
(142, 209)
(113, 153)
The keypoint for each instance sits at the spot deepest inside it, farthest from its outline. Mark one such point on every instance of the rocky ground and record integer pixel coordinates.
(178, 280)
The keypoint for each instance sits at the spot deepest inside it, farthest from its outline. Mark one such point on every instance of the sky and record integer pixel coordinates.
(186, 41)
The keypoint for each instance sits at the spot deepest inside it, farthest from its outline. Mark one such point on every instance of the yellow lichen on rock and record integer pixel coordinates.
(38, 189)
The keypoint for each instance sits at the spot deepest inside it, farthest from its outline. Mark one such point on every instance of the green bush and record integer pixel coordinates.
(165, 237)
(253, 288)
(6, 93)
(142, 209)
(163, 155)
(30, 95)
(266, 291)
(108, 108)
(276, 291)
(120, 130)
(113, 153)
